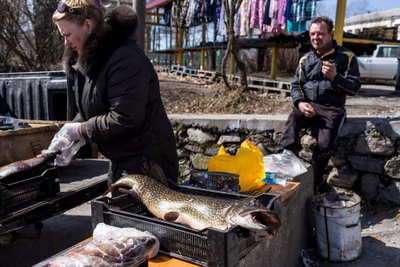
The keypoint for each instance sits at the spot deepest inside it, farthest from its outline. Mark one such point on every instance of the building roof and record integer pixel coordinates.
(374, 16)
(157, 3)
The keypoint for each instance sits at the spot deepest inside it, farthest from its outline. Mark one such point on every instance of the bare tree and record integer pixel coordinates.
(357, 7)
(232, 48)
(353, 8)
(28, 38)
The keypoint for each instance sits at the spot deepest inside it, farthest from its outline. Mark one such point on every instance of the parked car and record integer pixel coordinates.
(382, 65)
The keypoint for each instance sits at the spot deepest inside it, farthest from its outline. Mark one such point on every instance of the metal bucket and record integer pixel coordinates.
(337, 226)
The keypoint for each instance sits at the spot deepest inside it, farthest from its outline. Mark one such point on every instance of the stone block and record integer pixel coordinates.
(370, 185)
(228, 139)
(200, 162)
(343, 177)
(392, 168)
(367, 164)
(391, 193)
(374, 145)
(200, 137)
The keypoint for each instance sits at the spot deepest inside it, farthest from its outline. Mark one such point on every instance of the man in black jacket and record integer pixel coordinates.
(323, 78)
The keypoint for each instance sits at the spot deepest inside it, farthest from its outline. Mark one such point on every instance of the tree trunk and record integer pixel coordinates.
(231, 8)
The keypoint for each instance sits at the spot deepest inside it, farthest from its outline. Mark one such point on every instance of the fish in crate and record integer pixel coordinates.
(197, 211)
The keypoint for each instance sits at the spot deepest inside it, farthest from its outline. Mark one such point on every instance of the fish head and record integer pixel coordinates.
(261, 222)
(143, 246)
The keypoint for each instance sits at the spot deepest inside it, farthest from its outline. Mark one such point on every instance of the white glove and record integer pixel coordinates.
(72, 131)
(66, 142)
(67, 153)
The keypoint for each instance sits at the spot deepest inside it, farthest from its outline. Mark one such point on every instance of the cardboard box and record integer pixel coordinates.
(26, 143)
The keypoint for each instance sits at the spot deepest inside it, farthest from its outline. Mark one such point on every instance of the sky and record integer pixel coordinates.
(356, 7)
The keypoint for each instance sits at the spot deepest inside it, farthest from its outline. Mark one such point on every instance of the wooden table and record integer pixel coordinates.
(166, 261)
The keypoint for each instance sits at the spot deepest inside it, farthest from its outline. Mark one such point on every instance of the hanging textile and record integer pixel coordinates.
(261, 11)
(167, 14)
(183, 13)
(193, 13)
(303, 10)
(273, 17)
(254, 14)
(299, 26)
(237, 23)
(281, 11)
(175, 9)
(244, 18)
(221, 23)
(288, 9)
(267, 19)
(209, 10)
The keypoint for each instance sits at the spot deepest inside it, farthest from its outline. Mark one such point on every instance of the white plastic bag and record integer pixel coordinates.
(130, 241)
(285, 163)
(111, 246)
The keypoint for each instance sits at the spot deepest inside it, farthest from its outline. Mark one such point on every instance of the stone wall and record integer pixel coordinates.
(366, 157)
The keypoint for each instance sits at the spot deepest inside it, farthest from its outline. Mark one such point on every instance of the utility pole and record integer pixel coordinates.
(339, 22)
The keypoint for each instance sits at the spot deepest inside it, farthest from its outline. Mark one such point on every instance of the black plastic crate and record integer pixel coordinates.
(25, 188)
(210, 247)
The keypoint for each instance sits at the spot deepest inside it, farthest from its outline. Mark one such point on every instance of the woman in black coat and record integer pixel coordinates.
(114, 91)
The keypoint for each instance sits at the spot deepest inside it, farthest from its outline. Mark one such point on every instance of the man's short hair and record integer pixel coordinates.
(328, 21)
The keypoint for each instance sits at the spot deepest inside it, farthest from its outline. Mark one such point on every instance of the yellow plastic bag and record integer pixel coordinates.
(247, 163)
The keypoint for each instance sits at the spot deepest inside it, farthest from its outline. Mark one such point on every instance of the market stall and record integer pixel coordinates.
(181, 246)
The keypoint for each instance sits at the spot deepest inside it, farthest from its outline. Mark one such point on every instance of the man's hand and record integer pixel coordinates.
(329, 70)
(307, 109)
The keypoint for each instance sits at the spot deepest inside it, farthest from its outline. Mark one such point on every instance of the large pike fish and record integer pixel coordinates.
(198, 212)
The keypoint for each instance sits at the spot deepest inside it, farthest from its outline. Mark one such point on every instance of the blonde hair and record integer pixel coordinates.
(89, 9)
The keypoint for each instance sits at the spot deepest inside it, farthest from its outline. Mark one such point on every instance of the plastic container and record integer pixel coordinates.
(210, 247)
(35, 95)
(338, 226)
(275, 178)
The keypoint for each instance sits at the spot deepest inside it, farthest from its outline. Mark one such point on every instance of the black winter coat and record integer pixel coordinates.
(115, 90)
(310, 85)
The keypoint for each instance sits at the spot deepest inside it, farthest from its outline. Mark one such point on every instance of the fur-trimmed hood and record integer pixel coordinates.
(119, 25)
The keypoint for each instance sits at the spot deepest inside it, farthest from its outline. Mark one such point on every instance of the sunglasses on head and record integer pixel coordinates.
(63, 7)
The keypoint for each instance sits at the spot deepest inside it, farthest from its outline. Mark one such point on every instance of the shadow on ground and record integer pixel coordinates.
(29, 247)
(374, 253)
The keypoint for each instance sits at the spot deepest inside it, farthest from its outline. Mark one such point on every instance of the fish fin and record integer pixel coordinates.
(171, 216)
(129, 193)
(262, 190)
(114, 186)
(108, 191)
(253, 196)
